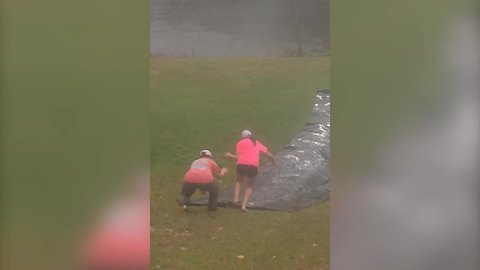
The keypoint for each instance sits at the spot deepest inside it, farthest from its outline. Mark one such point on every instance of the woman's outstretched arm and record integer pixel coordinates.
(231, 156)
(271, 157)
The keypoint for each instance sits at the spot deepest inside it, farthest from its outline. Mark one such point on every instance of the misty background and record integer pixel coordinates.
(239, 27)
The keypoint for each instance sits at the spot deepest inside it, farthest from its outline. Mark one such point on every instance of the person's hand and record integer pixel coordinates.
(223, 171)
(273, 161)
(271, 158)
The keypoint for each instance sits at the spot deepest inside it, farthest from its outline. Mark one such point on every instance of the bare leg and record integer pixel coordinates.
(238, 187)
(248, 193)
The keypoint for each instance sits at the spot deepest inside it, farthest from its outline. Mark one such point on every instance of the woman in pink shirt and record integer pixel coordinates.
(248, 159)
(201, 176)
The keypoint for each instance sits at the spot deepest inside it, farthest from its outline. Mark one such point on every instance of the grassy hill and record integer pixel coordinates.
(204, 103)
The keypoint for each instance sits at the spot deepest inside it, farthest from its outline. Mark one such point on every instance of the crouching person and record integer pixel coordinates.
(201, 176)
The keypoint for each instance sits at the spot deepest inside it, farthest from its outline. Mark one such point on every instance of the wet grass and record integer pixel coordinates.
(204, 103)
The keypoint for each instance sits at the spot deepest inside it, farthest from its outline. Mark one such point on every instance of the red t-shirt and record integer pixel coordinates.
(249, 153)
(201, 171)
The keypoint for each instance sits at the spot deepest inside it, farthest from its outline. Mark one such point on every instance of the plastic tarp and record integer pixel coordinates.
(300, 179)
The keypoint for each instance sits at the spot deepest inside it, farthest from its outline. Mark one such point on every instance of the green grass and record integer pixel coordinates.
(205, 103)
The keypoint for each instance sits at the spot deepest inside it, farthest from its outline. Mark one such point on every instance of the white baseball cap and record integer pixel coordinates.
(246, 133)
(205, 153)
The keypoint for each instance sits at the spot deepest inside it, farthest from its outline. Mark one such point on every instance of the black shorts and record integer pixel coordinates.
(247, 170)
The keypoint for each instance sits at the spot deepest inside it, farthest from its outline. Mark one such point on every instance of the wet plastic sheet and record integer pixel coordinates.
(301, 177)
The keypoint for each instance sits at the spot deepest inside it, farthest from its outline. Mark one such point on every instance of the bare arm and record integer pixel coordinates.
(222, 172)
(231, 156)
(271, 157)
